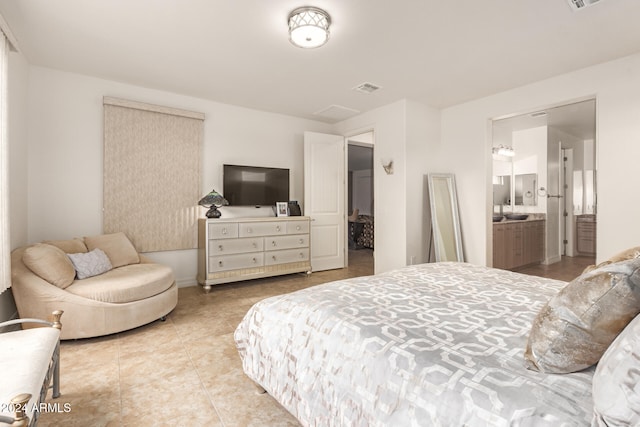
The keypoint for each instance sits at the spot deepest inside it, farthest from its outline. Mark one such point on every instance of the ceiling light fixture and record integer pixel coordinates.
(309, 27)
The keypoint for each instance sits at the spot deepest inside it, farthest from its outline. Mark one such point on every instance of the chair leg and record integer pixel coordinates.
(56, 373)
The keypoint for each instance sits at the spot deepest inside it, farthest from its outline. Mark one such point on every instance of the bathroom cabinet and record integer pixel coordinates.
(518, 243)
(586, 235)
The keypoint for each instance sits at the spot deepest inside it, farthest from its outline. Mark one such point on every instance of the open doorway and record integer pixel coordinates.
(554, 148)
(360, 201)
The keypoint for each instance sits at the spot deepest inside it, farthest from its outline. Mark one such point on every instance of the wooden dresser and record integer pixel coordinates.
(231, 250)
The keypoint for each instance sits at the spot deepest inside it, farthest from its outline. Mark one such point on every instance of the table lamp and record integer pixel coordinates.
(213, 200)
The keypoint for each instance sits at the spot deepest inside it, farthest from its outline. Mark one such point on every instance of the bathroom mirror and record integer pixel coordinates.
(445, 222)
(525, 193)
(502, 190)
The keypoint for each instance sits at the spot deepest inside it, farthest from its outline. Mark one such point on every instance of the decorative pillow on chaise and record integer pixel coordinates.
(576, 326)
(90, 264)
(71, 246)
(117, 246)
(622, 256)
(49, 263)
(616, 382)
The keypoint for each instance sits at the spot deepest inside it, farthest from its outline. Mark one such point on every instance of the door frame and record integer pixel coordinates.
(489, 158)
(347, 136)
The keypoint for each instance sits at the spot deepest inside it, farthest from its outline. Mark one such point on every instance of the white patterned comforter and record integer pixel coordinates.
(427, 345)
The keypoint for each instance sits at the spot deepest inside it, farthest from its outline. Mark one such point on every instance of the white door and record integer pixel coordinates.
(324, 198)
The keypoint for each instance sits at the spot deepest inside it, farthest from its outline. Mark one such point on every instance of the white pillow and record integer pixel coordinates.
(90, 263)
(616, 381)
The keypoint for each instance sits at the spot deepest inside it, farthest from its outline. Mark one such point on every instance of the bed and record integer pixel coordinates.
(434, 344)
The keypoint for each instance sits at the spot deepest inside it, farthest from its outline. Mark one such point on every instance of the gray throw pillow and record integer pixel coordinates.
(616, 389)
(90, 263)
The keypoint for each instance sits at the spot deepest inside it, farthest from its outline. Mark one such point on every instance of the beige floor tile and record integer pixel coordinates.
(185, 371)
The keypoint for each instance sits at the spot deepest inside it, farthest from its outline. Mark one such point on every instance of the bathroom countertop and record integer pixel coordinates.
(531, 217)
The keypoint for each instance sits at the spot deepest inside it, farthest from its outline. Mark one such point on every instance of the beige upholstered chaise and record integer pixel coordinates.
(132, 293)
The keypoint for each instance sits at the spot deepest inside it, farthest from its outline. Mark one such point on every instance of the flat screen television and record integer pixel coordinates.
(254, 185)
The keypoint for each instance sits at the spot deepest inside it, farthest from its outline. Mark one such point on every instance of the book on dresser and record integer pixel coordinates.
(234, 249)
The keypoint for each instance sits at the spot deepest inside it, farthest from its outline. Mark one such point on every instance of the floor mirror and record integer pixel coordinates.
(445, 222)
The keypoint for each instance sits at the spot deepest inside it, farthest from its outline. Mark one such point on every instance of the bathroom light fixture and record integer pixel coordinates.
(309, 27)
(503, 150)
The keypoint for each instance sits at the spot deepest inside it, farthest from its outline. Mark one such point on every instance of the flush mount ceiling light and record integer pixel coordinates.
(309, 27)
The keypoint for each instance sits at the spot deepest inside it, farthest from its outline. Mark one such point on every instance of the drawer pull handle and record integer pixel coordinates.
(255, 245)
(224, 231)
(255, 260)
(249, 230)
(277, 228)
(219, 263)
(273, 257)
(220, 248)
(301, 255)
(297, 227)
(273, 243)
(301, 241)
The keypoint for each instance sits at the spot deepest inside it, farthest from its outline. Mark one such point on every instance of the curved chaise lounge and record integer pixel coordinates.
(134, 292)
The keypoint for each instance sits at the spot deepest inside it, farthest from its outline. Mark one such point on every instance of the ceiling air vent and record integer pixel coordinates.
(581, 4)
(367, 87)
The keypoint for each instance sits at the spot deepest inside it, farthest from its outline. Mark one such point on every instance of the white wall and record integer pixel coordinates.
(423, 139)
(404, 132)
(530, 146)
(387, 124)
(65, 152)
(616, 85)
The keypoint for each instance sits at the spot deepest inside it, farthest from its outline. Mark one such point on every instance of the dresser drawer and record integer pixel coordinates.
(235, 262)
(286, 242)
(223, 231)
(250, 229)
(297, 227)
(286, 256)
(235, 246)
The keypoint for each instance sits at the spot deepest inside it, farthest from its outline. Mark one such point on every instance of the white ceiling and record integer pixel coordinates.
(438, 52)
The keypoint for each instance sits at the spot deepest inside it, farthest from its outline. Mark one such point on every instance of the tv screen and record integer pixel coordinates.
(253, 185)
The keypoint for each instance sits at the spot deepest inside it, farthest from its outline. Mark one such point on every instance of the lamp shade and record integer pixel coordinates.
(309, 27)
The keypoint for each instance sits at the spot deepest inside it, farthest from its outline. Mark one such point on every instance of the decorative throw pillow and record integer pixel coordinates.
(71, 246)
(90, 264)
(117, 246)
(50, 264)
(616, 382)
(576, 326)
(622, 256)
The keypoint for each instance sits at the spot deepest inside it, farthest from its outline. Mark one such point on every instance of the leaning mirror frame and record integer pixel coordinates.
(445, 222)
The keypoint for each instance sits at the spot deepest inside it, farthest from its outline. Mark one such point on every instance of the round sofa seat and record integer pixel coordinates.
(125, 284)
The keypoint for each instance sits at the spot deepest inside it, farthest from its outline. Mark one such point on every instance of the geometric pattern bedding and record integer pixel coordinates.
(437, 344)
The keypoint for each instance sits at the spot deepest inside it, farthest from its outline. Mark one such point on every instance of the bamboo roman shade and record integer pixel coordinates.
(152, 174)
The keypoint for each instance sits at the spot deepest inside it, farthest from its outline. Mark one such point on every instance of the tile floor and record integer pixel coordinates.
(186, 371)
(181, 372)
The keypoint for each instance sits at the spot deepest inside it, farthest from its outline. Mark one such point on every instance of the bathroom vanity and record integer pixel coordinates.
(517, 243)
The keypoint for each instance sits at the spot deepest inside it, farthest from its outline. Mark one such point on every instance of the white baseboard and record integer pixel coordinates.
(552, 260)
(186, 282)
